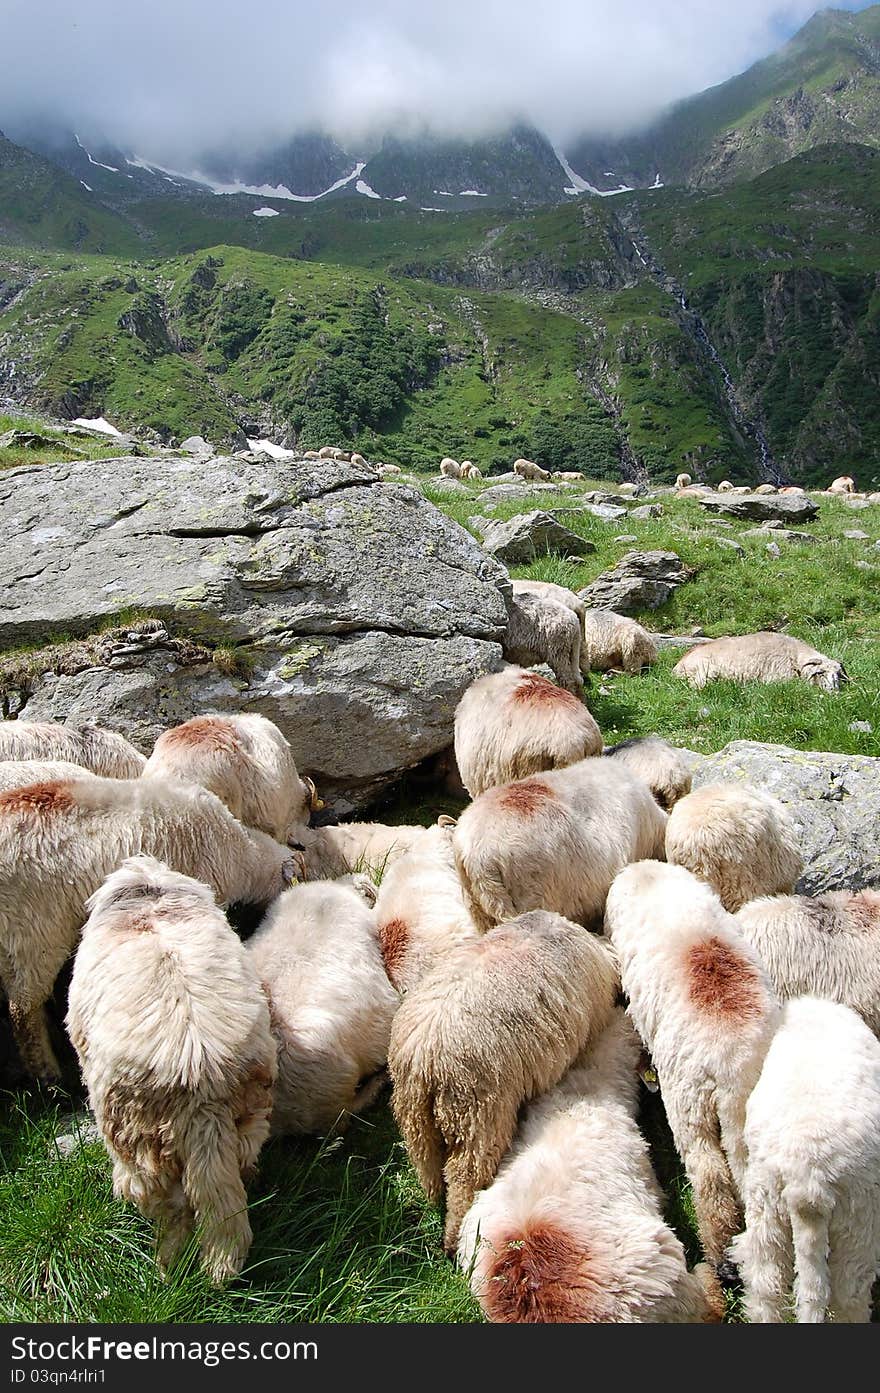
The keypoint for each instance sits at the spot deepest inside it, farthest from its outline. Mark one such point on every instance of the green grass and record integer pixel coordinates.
(64, 447)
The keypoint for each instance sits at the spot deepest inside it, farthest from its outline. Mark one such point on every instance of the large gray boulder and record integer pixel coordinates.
(834, 800)
(356, 611)
(781, 507)
(521, 539)
(640, 580)
(505, 492)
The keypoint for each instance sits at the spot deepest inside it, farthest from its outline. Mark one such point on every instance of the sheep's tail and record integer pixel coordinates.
(413, 1107)
(809, 1232)
(213, 1186)
(494, 904)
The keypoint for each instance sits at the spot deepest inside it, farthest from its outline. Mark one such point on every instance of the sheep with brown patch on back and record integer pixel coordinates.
(613, 641)
(704, 1008)
(663, 768)
(171, 1028)
(243, 759)
(571, 1229)
(420, 909)
(497, 1022)
(540, 630)
(58, 842)
(761, 657)
(555, 841)
(513, 723)
(738, 839)
(100, 751)
(330, 1002)
(527, 469)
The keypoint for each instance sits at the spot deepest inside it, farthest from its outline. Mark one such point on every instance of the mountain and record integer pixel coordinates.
(42, 207)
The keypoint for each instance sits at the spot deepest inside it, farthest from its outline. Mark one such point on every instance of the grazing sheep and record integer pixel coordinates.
(330, 852)
(61, 838)
(812, 1196)
(703, 1006)
(548, 590)
(100, 751)
(330, 1002)
(663, 768)
(541, 631)
(738, 839)
(761, 657)
(845, 484)
(683, 481)
(18, 773)
(827, 946)
(420, 909)
(246, 762)
(613, 641)
(724, 487)
(766, 488)
(385, 469)
(172, 1032)
(513, 723)
(358, 459)
(567, 476)
(527, 469)
(469, 470)
(498, 1021)
(571, 1229)
(555, 841)
(450, 468)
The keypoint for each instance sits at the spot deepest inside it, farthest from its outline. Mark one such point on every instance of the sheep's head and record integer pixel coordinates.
(824, 673)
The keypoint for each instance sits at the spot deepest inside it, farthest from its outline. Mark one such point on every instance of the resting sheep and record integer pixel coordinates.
(724, 487)
(612, 641)
(172, 1032)
(555, 841)
(738, 839)
(61, 838)
(513, 723)
(330, 1002)
(527, 469)
(683, 481)
(663, 768)
(766, 488)
(571, 1228)
(812, 1198)
(761, 657)
(567, 476)
(100, 751)
(450, 468)
(420, 909)
(845, 484)
(541, 631)
(497, 1022)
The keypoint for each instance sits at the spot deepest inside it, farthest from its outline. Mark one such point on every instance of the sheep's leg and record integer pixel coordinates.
(854, 1261)
(812, 1286)
(697, 1136)
(369, 1091)
(161, 1199)
(31, 1031)
(764, 1255)
(471, 1164)
(213, 1186)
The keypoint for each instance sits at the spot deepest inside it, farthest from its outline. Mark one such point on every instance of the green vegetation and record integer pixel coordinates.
(63, 446)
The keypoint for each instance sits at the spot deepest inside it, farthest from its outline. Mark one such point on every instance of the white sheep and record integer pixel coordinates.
(701, 1002)
(738, 839)
(331, 1005)
(555, 841)
(172, 1032)
(613, 641)
(450, 468)
(844, 484)
(18, 773)
(100, 751)
(766, 488)
(568, 476)
(420, 909)
(496, 1022)
(724, 487)
(61, 838)
(527, 469)
(571, 1228)
(761, 657)
(548, 590)
(358, 459)
(541, 631)
(330, 852)
(469, 470)
(663, 768)
(327, 452)
(513, 723)
(812, 1184)
(683, 481)
(243, 759)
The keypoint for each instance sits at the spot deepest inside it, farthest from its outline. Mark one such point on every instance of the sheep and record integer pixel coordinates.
(845, 484)
(527, 469)
(761, 657)
(58, 841)
(342, 456)
(246, 762)
(541, 631)
(567, 476)
(793, 488)
(824, 946)
(358, 459)
(548, 590)
(496, 1022)
(513, 723)
(18, 773)
(766, 488)
(388, 469)
(571, 1229)
(627, 490)
(100, 751)
(704, 1008)
(330, 1002)
(469, 470)
(450, 468)
(738, 839)
(663, 768)
(172, 1032)
(613, 641)
(724, 487)
(555, 841)
(420, 910)
(812, 1199)
(311, 454)
(330, 852)
(327, 452)
(683, 481)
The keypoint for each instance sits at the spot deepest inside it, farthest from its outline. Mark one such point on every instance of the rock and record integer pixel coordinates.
(774, 550)
(521, 539)
(730, 544)
(857, 503)
(855, 534)
(601, 499)
(607, 512)
(834, 799)
(719, 522)
(861, 727)
(443, 484)
(785, 507)
(640, 580)
(502, 493)
(626, 537)
(359, 613)
(647, 510)
(82, 1131)
(197, 445)
(779, 534)
(678, 640)
(35, 440)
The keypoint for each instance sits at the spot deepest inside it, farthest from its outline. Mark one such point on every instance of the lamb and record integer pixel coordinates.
(61, 838)
(420, 909)
(172, 1032)
(497, 1022)
(330, 1002)
(469, 470)
(845, 484)
(761, 657)
(100, 751)
(683, 481)
(513, 723)
(527, 469)
(450, 468)
(555, 841)
(738, 839)
(704, 1008)
(243, 759)
(330, 852)
(826, 946)
(663, 768)
(613, 641)
(812, 1199)
(571, 1229)
(541, 631)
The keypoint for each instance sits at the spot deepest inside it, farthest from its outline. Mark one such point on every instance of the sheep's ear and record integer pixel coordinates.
(444, 820)
(811, 667)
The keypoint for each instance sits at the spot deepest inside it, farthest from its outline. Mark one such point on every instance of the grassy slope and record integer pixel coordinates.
(64, 447)
(43, 207)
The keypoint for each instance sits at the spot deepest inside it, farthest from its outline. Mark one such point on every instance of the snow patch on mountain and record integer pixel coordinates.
(265, 212)
(471, 193)
(87, 186)
(577, 184)
(97, 423)
(363, 187)
(268, 447)
(112, 167)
